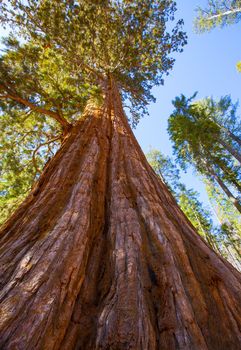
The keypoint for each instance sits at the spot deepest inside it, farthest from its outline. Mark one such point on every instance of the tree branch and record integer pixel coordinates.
(36, 150)
(64, 123)
(226, 13)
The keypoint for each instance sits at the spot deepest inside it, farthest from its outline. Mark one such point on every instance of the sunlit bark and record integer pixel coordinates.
(99, 256)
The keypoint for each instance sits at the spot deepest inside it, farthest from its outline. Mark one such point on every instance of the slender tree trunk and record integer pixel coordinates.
(206, 234)
(226, 190)
(229, 176)
(231, 150)
(233, 257)
(228, 133)
(236, 247)
(233, 137)
(99, 256)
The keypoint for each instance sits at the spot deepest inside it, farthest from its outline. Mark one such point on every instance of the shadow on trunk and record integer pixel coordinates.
(99, 256)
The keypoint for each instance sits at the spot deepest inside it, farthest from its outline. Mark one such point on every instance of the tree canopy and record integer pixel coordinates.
(129, 41)
(218, 13)
(57, 57)
(207, 134)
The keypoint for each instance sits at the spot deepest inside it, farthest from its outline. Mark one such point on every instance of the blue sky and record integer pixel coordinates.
(207, 65)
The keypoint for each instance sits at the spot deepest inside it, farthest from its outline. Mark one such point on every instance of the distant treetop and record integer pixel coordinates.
(217, 13)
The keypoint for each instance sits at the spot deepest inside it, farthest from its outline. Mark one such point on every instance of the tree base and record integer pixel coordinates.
(99, 256)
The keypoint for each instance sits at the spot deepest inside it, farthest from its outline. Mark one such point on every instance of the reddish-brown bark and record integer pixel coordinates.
(99, 256)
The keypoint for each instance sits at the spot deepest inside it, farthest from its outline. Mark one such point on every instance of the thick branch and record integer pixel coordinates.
(64, 123)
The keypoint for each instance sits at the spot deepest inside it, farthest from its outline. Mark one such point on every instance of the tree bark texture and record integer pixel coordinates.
(99, 256)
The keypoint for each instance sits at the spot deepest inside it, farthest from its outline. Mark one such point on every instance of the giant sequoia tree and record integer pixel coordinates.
(99, 256)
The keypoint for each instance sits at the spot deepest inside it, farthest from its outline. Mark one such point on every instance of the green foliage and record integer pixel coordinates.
(165, 169)
(239, 66)
(217, 13)
(92, 40)
(226, 213)
(42, 76)
(59, 55)
(206, 134)
(193, 209)
(229, 232)
(25, 146)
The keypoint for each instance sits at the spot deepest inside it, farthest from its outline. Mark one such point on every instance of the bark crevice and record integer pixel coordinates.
(99, 256)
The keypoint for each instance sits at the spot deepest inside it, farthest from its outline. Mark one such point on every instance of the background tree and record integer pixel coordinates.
(229, 232)
(218, 13)
(205, 134)
(99, 255)
(239, 66)
(187, 199)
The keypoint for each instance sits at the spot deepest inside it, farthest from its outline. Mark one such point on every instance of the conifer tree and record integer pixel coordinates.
(99, 256)
(230, 224)
(206, 134)
(218, 13)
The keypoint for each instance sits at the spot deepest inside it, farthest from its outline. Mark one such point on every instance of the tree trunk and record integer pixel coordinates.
(231, 135)
(226, 190)
(227, 172)
(99, 256)
(230, 149)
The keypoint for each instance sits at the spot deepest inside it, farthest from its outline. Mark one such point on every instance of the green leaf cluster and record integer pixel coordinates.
(217, 13)
(61, 54)
(206, 134)
(25, 146)
(42, 76)
(239, 66)
(91, 40)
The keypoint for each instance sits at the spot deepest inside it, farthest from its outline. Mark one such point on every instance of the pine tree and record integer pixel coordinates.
(205, 134)
(230, 225)
(99, 256)
(218, 13)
